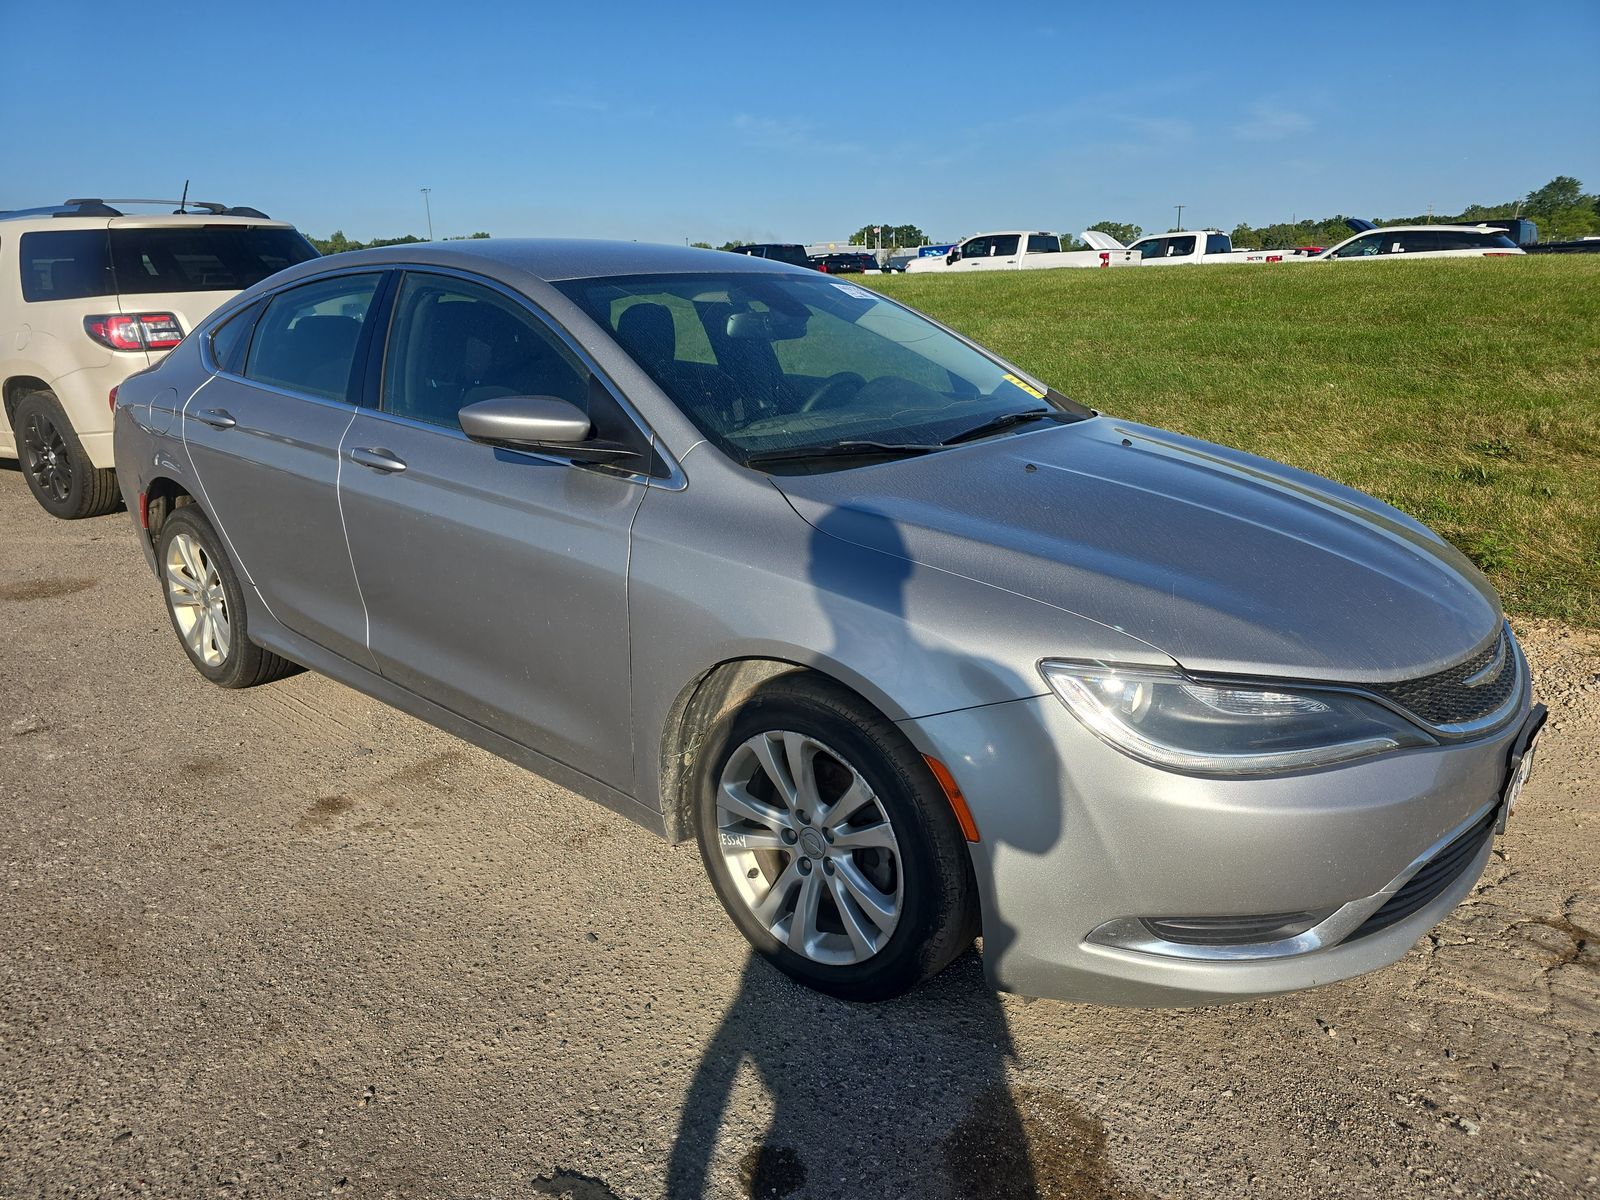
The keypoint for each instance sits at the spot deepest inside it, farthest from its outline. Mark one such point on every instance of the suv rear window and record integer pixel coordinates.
(216, 258)
(72, 264)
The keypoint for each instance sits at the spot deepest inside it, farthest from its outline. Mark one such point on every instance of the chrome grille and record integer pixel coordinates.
(1468, 691)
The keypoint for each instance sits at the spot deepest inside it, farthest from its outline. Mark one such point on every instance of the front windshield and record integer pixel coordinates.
(772, 364)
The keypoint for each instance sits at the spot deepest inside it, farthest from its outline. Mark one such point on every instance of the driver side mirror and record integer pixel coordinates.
(518, 421)
(953, 256)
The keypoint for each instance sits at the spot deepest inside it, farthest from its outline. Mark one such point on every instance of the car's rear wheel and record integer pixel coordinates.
(59, 474)
(206, 604)
(829, 843)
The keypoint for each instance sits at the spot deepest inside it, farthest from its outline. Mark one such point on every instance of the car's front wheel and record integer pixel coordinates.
(206, 604)
(59, 474)
(829, 843)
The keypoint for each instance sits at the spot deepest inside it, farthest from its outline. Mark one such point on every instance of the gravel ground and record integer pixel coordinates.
(290, 942)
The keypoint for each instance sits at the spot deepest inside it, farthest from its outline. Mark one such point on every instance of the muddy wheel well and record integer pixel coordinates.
(163, 496)
(698, 707)
(19, 386)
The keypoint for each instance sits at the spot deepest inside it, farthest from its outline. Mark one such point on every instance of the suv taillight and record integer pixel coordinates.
(136, 331)
(114, 398)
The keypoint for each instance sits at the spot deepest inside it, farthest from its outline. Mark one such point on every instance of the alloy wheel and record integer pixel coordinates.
(199, 602)
(47, 458)
(809, 847)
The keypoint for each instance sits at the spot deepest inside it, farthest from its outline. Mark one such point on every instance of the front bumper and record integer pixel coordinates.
(1077, 839)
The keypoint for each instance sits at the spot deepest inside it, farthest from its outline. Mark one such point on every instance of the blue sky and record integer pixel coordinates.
(662, 122)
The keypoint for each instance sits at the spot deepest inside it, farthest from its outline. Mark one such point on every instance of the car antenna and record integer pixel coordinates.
(184, 200)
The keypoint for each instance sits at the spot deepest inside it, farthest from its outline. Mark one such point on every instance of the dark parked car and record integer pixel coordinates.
(786, 252)
(844, 264)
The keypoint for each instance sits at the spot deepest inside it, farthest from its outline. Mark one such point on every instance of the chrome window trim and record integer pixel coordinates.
(1130, 934)
(675, 480)
(560, 460)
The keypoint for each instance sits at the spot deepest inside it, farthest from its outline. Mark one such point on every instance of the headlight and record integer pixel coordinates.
(1236, 729)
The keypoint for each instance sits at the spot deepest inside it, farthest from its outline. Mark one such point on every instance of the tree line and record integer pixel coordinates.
(337, 243)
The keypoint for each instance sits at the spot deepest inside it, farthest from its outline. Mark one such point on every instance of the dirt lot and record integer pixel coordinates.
(289, 942)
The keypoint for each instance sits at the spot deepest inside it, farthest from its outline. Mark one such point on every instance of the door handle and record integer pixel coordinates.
(217, 418)
(378, 459)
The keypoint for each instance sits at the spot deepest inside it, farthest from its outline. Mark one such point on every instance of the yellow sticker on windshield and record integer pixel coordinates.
(1014, 381)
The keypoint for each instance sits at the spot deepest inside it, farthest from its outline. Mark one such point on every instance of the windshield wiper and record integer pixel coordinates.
(854, 449)
(998, 423)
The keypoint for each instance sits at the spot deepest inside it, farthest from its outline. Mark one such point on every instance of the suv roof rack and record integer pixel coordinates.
(96, 207)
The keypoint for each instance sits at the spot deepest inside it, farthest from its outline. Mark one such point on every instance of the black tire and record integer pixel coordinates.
(242, 663)
(939, 913)
(59, 474)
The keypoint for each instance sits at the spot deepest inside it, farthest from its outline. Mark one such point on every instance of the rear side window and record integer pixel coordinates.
(1003, 245)
(1182, 247)
(66, 264)
(306, 339)
(229, 341)
(1218, 243)
(1043, 243)
(202, 258)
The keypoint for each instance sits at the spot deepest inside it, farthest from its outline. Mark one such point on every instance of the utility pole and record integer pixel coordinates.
(428, 208)
(1180, 208)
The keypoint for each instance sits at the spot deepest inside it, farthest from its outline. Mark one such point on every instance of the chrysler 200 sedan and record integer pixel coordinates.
(913, 646)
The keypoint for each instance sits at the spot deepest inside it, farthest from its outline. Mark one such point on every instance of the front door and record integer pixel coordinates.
(263, 436)
(495, 580)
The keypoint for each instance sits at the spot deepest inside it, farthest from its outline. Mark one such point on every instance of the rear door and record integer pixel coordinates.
(496, 580)
(263, 439)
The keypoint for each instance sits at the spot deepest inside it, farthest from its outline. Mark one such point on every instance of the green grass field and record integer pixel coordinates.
(1466, 392)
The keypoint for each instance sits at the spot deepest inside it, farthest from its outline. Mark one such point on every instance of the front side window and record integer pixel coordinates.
(454, 343)
(306, 339)
(65, 264)
(1362, 247)
(799, 363)
(977, 247)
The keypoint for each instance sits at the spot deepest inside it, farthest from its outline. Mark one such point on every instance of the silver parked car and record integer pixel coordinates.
(912, 645)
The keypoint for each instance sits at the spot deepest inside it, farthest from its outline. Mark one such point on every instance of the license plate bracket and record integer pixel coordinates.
(1519, 764)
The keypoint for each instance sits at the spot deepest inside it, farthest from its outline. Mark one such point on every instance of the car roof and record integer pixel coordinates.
(1417, 228)
(556, 259)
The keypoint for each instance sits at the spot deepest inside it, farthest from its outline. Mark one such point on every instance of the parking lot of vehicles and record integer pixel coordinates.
(736, 482)
(1020, 250)
(90, 294)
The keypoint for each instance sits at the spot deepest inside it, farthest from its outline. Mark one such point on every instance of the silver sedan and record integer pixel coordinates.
(913, 646)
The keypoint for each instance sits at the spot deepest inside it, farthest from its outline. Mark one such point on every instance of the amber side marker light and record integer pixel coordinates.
(952, 793)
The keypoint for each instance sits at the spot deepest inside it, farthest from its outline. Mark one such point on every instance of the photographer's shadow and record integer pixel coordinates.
(903, 1098)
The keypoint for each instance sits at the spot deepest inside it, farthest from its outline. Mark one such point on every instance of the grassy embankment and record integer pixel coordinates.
(1466, 392)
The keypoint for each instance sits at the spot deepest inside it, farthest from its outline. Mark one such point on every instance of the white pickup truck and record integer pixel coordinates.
(1200, 246)
(1020, 250)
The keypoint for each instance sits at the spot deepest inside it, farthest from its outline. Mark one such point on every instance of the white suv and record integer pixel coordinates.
(88, 296)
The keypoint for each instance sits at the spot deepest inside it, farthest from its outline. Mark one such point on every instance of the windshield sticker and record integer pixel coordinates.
(1018, 382)
(860, 293)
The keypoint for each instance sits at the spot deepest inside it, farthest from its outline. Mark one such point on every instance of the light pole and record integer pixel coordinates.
(428, 208)
(1180, 208)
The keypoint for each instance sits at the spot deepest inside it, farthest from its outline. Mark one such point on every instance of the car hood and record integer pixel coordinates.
(1227, 562)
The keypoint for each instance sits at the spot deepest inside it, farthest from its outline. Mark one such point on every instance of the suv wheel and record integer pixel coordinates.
(59, 474)
(830, 844)
(206, 605)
